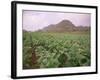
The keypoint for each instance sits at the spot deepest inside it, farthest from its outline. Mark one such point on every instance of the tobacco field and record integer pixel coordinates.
(55, 50)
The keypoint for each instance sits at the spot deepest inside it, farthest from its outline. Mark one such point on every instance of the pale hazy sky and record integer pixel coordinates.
(34, 20)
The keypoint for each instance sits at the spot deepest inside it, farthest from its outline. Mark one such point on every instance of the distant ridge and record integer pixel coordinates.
(64, 26)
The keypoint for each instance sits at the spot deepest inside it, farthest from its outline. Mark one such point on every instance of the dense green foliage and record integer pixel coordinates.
(55, 50)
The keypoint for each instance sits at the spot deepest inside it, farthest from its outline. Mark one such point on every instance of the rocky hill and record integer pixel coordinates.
(64, 26)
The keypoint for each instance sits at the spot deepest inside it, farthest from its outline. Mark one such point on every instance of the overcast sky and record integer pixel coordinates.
(34, 20)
